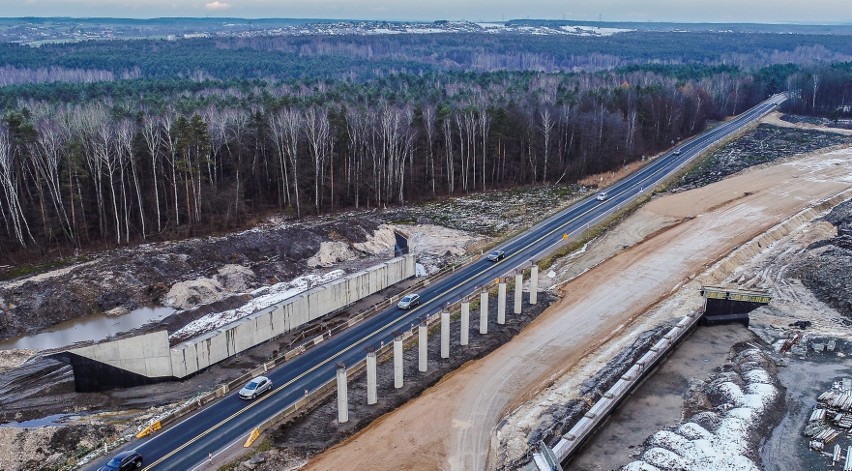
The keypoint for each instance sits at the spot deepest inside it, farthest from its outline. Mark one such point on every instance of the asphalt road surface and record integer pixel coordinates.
(190, 442)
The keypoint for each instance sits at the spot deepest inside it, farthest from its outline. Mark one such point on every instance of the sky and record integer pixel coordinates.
(715, 11)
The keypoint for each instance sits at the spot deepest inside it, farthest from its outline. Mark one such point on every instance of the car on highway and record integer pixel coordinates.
(677, 152)
(256, 387)
(496, 255)
(602, 196)
(123, 461)
(409, 301)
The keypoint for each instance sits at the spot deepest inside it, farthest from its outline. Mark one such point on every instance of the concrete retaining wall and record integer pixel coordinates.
(149, 355)
(146, 355)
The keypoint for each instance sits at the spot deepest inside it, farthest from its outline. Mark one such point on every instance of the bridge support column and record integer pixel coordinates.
(445, 334)
(519, 291)
(423, 347)
(371, 378)
(534, 284)
(397, 362)
(342, 395)
(501, 301)
(483, 312)
(465, 321)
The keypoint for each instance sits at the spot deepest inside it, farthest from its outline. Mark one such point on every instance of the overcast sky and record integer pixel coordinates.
(762, 11)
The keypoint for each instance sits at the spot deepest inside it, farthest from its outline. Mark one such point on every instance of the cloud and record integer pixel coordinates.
(217, 5)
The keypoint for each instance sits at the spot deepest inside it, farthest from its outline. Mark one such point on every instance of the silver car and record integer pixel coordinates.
(602, 196)
(409, 301)
(256, 387)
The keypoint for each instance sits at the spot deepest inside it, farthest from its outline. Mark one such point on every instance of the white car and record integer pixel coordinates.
(256, 387)
(602, 196)
(409, 301)
(677, 152)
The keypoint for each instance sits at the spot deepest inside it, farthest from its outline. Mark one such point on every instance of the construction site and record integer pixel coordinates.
(760, 383)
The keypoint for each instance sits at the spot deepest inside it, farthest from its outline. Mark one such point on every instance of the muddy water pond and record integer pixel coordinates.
(94, 327)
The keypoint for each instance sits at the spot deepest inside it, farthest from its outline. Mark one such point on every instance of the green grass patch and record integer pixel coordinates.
(37, 268)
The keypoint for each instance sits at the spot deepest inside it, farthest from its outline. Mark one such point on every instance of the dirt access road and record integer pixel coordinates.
(451, 426)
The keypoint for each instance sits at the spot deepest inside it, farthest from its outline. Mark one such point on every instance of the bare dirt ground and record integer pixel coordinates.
(777, 119)
(686, 233)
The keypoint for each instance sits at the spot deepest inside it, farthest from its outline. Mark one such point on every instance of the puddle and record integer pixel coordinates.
(55, 419)
(95, 327)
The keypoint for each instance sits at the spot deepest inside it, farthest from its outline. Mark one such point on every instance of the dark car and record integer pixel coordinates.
(123, 461)
(496, 255)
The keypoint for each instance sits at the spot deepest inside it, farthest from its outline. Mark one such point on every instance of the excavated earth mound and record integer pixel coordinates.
(824, 268)
(125, 279)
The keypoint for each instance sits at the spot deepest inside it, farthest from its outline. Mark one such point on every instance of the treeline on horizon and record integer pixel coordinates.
(117, 162)
(359, 58)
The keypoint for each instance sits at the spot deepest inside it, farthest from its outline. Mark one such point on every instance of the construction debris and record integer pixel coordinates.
(833, 406)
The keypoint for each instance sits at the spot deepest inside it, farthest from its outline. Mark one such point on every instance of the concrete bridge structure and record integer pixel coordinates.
(148, 358)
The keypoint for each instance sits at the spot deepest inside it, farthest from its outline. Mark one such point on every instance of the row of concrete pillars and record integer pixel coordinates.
(423, 346)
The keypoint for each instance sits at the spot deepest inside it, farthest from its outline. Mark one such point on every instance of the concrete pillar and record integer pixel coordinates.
(371, 378)
(534, 284)
(342, 395)
(483, 312)
(397, 362)
(501, 301)
(445, 334)
(423, 345)
(519, 291)
(465, 321)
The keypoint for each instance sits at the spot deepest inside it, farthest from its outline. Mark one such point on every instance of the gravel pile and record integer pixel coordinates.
(825, 266)
(48, 447)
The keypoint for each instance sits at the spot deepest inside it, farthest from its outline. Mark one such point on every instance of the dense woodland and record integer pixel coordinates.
(119, 142)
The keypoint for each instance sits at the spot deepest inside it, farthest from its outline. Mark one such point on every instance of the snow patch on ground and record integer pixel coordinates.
(263, 298)
(694, 447)
(581, 30)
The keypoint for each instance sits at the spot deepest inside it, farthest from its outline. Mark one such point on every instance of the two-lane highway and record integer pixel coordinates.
(188, 443)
